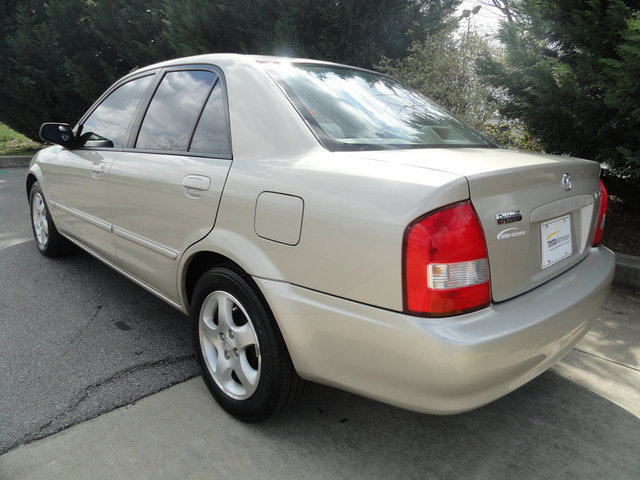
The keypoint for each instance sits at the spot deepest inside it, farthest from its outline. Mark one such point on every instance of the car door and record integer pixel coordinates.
(78, 177)
(165, 191)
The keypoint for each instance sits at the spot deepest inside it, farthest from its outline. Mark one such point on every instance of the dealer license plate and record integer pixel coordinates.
(555, 239)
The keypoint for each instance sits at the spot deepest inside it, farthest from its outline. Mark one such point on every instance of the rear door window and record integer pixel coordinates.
(175, 110)
(212, 132)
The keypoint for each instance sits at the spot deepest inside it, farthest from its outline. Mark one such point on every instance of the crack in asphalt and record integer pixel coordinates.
(45, 429)
(80, 332)
(615, 311)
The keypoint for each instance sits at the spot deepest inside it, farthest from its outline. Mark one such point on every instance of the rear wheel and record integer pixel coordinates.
(244, 360)
(49, 241)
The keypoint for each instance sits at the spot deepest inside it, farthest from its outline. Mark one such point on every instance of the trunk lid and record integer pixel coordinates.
(538, 212)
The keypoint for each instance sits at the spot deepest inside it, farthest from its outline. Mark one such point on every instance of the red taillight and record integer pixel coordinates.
(446, 269)
(602, 213)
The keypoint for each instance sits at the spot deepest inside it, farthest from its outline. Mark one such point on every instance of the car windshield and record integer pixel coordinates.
(351, 109)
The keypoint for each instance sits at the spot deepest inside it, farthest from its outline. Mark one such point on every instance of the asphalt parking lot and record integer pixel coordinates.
(77, 338)
(78, 341)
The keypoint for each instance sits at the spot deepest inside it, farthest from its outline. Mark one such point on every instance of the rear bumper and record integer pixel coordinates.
(445, 365)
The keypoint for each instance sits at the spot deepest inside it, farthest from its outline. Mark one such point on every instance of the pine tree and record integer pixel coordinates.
(357, 32)
(557, 70)
(59, 56)
(34, 78)
(621, 87)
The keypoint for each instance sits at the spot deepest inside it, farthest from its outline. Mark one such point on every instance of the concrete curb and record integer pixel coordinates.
(627, 271)
(9, 161)
(627, 266)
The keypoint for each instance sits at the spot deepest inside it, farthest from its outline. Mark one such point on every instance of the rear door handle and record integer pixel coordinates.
(196, 182)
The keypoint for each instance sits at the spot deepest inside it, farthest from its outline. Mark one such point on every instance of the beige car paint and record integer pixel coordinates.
(351, 242)
(279, 217)
(503, 181)
(443, 365)
(78, 196)
(156, 217)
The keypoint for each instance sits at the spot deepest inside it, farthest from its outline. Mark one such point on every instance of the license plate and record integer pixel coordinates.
(555, 239)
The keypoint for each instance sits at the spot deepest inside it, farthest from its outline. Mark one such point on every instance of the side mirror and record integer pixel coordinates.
(59, 133)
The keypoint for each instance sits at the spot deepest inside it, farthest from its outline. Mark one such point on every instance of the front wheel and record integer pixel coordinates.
(49, 241)
(244, 360)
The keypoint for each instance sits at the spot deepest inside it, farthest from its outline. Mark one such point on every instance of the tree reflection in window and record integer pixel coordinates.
(211, 135)
(351, 109)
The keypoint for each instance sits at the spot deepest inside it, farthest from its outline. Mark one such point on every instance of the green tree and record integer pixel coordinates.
(33, 79)
(563, 65)
(621, 89)
(442, 67)
(512, 135)
(59, 56)
(357, 32)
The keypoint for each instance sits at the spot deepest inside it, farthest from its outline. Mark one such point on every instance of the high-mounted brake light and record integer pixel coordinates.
(446, 268)
(602, 213)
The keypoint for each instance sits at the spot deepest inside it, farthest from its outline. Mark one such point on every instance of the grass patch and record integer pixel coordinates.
(14, 143)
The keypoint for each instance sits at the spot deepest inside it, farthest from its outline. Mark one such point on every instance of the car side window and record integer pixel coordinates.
(212, 132)
(108, 124)
(175, 109)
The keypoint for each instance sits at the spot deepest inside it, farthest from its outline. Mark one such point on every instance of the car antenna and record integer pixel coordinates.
(134, 69)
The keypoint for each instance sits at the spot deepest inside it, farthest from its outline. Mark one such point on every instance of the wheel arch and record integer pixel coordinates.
(31, 179)
(196, 265)
(226, 248)
(204, 260)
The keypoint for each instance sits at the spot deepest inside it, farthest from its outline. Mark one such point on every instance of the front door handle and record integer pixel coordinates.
(97, 169)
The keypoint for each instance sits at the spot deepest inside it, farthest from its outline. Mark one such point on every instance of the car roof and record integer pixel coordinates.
(227, 59)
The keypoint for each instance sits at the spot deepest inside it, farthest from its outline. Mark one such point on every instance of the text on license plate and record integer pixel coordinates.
(555, 239)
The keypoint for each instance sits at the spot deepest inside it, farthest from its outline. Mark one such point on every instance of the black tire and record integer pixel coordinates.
(48, 240)
(256, 347)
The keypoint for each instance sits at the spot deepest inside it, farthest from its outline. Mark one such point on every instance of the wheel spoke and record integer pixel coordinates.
(247, 375)
(209, 332)
(244, 336)
(225, 313)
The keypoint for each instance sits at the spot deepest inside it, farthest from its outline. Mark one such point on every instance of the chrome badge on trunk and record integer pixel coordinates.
(508, 217)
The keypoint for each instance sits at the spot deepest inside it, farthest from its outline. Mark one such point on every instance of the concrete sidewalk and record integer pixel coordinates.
(579, 420)
(13, 161)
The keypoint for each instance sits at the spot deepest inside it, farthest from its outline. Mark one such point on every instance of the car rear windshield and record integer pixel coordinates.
(352, 109)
